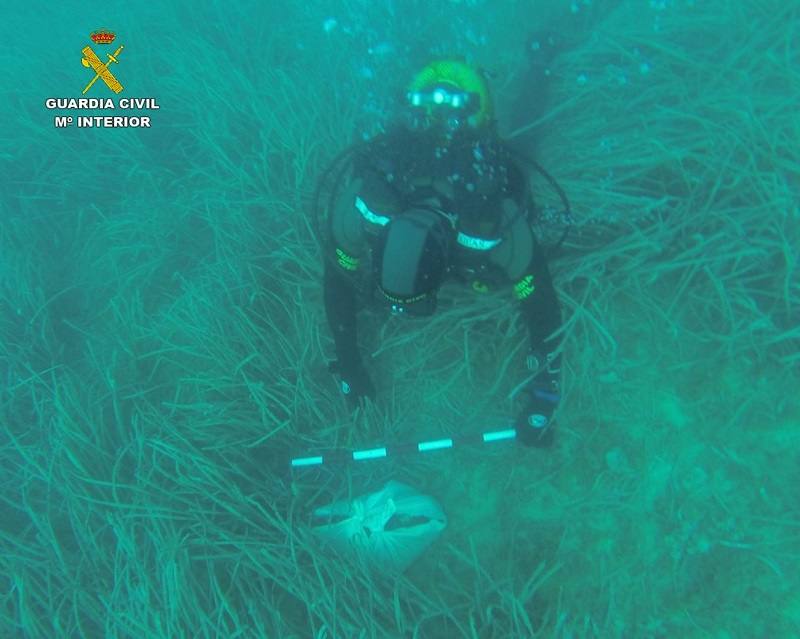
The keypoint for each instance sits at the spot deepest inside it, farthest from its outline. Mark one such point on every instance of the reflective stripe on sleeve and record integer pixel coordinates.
(477, 243)
(467, 241)
(371, 216)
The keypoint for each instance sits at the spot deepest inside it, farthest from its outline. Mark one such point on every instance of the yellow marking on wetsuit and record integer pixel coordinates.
(524, 287)
(347, 262)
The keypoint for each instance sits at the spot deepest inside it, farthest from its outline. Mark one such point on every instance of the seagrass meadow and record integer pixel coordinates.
(164, 351)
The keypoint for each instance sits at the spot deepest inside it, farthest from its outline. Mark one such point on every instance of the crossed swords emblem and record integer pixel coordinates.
(101, 69)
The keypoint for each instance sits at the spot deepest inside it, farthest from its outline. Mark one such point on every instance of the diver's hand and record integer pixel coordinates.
(535, 423)
(354, 382)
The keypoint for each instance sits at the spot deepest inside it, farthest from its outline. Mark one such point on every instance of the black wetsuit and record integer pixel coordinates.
(475, 177)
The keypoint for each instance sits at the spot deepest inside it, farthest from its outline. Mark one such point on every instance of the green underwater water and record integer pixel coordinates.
(163, 347)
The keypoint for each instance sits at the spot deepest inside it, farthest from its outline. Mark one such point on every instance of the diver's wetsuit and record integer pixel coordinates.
(473, 177)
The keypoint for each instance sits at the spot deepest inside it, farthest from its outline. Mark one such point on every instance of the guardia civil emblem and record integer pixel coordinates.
(102, 37)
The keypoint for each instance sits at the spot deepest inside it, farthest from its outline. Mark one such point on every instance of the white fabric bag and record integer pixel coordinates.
(388, 529)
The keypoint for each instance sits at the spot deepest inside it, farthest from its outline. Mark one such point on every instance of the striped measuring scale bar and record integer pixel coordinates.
(382, 452)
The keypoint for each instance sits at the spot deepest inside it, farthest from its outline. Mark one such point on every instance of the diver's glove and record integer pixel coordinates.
(535, 423)
(354, 382)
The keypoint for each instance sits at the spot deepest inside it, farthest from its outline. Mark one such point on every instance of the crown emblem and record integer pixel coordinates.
(102, 36)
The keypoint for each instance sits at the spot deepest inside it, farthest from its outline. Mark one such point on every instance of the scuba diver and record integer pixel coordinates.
(439, 198)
